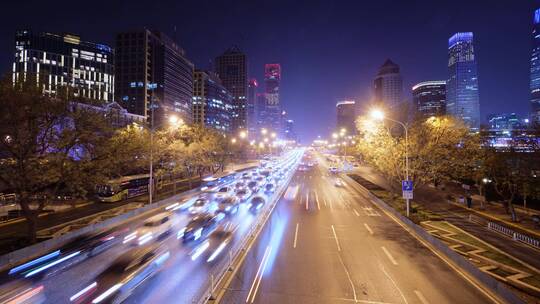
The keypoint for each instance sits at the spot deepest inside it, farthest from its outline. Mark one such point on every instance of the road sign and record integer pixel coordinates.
(407, 194)
(407, 185)
(407, 188)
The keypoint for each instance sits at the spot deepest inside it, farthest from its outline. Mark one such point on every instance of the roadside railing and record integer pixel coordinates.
(516, 236)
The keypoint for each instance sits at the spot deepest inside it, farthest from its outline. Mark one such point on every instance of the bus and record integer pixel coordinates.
(123, 188)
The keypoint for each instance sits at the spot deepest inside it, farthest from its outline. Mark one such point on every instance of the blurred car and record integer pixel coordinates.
(254, 186)
(256, 203)
(224, 192)
(67, 255)
(339, 182)
(228, 206)
(243, 194)
(123, 276)
(239, 185)
(269, 187)
(212, 247)
(201, 205)
(21, 292)
(333, 170)
(154, 227)
(199, 227)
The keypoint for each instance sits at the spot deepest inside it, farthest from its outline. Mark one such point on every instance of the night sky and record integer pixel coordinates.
(328, 50)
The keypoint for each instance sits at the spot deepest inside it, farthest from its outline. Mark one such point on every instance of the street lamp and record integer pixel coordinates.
(264, 131)
(273, 135)
(243, 134)
(379, 115)
(334, 135)
(233, 140)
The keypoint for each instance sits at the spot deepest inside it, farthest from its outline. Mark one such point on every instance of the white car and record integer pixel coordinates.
(153, 228)
(339, 182)
(224, 192)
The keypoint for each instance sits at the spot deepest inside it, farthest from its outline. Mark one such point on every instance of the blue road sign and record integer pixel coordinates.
(407, 185)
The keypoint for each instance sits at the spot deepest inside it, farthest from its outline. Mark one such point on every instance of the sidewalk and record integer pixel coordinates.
(435, 200)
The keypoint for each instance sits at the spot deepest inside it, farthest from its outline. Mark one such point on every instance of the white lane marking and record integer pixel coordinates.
(421, 297)
(368, 228)
(348, 277)
(295, 235)
(356, 212)
(335, 236)
(394, 283)
(307, 201)
(324, 201)
(390, 257)
(317, 200)
(259, 272)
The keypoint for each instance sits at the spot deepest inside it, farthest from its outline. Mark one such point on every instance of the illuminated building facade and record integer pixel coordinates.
(429, 98)
(462, 100)
(272, 79)
(57, 61)
(232, 69)
(152, 69)
(212, 103)
(346, 116)
(388, 84)
(535, 69)
(252, 110)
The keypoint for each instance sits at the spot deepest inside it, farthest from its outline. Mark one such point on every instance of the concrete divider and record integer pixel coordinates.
(495, 287)
(16, 257)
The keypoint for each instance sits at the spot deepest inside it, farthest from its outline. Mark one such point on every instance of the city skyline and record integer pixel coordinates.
(353, 72)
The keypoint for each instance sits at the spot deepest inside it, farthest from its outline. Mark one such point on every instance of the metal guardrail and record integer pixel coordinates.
(516, 236)
(226, 265)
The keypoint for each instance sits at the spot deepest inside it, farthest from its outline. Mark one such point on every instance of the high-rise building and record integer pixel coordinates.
(84, 68)
(252, 110)
(272, 78)
(388, 84)
(290, 133)
(535, 69)
(346, 116)
(232, 69)
(212, 103)
(429, 98)
(462, 99)
(152, 69)
(261, 110)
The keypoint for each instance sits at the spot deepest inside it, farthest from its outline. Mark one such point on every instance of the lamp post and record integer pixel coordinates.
(379, 115)
(173, 121)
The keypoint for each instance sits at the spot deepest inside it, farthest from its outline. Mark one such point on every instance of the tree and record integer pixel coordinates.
(47, 148)
(439, 150)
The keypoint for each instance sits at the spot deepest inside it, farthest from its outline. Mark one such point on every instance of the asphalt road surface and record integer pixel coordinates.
(329, 244)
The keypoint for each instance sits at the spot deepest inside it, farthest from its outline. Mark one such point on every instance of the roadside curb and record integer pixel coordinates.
(493, 288)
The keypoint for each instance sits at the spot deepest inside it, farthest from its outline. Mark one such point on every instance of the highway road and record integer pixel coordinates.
(183, 278)
(329, 244)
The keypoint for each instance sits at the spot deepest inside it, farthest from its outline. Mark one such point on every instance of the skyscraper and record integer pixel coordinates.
(85, 68)
(252, 110)
(429, 98)
(232, 69)
(212, 103)
(462, 99)
(290, 133)
(152, 68)
(272, 78)
(535, 69)
(346, 116)
(388, 84)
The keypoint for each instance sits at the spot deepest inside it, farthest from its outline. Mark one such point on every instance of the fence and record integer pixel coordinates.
(516, 236)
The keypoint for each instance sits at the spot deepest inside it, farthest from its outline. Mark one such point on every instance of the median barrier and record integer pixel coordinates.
(495, 287)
